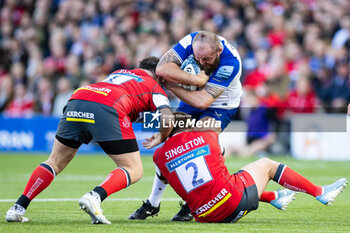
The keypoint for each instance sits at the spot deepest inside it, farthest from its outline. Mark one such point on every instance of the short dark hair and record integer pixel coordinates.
(149, 63)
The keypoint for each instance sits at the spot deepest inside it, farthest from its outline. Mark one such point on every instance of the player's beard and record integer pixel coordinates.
(210, 68)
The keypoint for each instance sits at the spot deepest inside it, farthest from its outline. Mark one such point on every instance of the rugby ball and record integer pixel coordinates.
(190, 66)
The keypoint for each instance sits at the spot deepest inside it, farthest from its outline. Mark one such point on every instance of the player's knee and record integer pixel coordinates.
(270, 165)
(265, 161)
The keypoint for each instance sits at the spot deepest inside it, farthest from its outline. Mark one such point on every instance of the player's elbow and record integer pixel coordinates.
(203, 100)
(202, 105)
(161, 71)
(168, 71)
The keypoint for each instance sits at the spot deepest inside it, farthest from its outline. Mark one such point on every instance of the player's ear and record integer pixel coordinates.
(220, 49)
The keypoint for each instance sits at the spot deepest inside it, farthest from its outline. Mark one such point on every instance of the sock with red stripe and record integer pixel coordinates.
(117, 180)
(267, 196)
(41, 177)
(292, 180)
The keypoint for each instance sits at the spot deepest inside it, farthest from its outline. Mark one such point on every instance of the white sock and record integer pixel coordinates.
(222, 147)
(157, 191)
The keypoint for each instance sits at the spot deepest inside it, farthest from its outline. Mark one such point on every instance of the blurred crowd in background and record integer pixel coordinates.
(295, 53)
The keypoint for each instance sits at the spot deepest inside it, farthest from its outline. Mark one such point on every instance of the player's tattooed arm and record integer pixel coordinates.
(169, 57)
(215, 92)
(168, 68)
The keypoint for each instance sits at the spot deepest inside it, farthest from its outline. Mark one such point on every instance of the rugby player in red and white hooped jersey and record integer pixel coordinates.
(192, 163)
(218, 97)
(102, 112)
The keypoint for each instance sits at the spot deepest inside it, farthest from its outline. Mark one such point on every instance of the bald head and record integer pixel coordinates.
(207, 49)
(207, 38)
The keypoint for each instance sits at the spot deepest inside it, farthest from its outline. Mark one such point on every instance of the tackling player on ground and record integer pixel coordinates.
(102, 112)
(218, 97)
(199, 175)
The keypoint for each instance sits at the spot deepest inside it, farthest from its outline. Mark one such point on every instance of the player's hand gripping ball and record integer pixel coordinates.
(190, 66)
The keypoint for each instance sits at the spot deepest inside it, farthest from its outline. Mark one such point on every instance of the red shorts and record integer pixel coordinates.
(244, 198)
(250, 199)
(245, 177)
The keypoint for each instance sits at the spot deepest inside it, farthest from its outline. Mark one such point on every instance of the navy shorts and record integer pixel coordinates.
(83, 121)
(219, 114)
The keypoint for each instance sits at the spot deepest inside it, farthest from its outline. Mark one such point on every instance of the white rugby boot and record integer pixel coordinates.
(329, 192)
(15, 214)
(91, 204)
(283, 198)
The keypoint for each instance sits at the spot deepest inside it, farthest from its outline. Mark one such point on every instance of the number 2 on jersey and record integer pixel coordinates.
(193, 174)
(195, 182)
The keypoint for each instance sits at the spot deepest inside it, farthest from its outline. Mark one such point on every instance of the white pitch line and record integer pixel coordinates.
(63, 177)
(77, 199)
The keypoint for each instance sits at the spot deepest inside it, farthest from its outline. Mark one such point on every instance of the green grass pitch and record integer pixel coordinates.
(305, 214)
